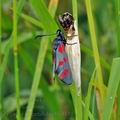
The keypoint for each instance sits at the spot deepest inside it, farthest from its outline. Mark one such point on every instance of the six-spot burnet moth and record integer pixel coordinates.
(62, 65)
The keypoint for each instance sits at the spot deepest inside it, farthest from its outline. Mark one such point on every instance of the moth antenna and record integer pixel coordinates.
(39, 36)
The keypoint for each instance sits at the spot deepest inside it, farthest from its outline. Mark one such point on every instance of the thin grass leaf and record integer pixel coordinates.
(15, 53)
(114, 81)
(0, 32)
(74, 10)
(53, 5)
(117, 23)
(8, 43)
(39, 7)
(99, 82)
(1, 101)
(5, 59)
(91, 117)
(32, 20)
(2, 70)
(93, 102)
(87, 99)
(118, 103)
(6, 55)
(74, 51)
(75, 89)
(11, 102)
(117, 10)
(77, 102)
(20, 5)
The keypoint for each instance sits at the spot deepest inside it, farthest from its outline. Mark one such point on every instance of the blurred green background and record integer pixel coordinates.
(53, 101)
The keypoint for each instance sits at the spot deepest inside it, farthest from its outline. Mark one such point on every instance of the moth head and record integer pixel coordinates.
(66, 20)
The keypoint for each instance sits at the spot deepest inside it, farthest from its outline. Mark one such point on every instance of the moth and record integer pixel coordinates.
(61, 66)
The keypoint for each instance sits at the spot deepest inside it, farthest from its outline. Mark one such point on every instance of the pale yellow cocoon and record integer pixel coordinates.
(74, 56)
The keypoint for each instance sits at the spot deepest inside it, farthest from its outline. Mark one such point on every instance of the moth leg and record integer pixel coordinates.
(53, 71)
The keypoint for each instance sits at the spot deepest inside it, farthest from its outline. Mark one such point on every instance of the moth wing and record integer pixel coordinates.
(62, 65)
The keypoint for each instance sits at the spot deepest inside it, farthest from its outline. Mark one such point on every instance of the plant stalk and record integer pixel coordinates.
(15, 53)
(1, 101)
(99, 83)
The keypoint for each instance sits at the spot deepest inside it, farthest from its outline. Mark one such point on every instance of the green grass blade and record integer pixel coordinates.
(99, 83)
(20, 5)
(0, 30)
(16, 70)
(42, 12)
(2, 70)
(39, 7)
(90, 115)
(6, 51)
(114, 81)
(74, 9)
(11, 102)
(117, 6)
(77, 100)
(93, 101)
(87, 99)
(117, 23)
(1, 103)
(32, 20)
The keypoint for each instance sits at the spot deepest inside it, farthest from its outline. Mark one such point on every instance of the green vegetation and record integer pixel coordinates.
(26, 89)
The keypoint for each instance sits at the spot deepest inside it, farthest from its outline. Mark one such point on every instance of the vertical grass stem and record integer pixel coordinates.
(15, 53)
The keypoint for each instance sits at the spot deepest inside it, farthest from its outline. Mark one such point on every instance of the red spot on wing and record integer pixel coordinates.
(61, 62)
(65, 59)
(61, 48)
(64, 73)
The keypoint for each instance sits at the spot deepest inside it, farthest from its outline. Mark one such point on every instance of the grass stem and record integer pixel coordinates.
(15, 52)
(0, 30)
(117, 6)
(77, 100)
(41, 56)
(1, 102)
(117, 10)
(99, 82)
